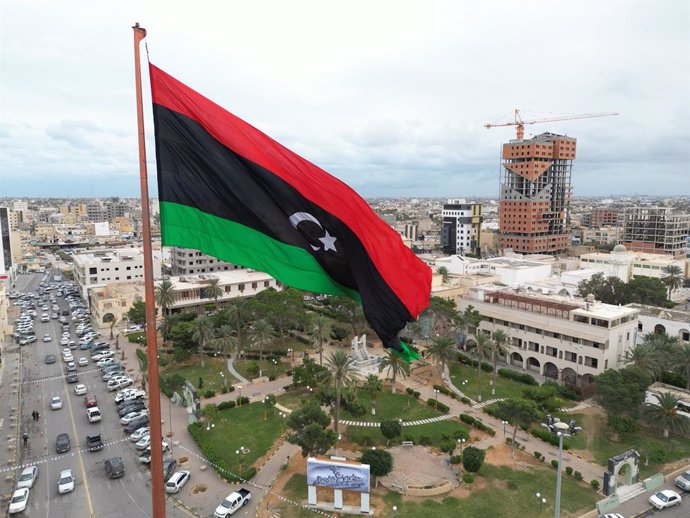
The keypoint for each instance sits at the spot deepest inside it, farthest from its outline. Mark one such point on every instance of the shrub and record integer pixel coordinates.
(409, 390)
(547, 436)
(472, 459)
(226, 405)
(512, 485)
(356, 409)
(441, 407)
(252, 368)
(224, 390)
(595, 485)
(554, 463)
(445, 436)
(408, 437)
(466, 400)
(338, 332)
(447, 446)
(455, 459)
(520, 377)
(244, 400)
(578, 475)
(443, 390)
(467, 478)
(623, 424)
(416, 394)
(209, 393)
(425, 439)
(466, 418)
(201, 383)
(367, 440)
(461, 433)
(391, 429)
(231, 388)
(568, 470)
(538, 455)
(658, 455)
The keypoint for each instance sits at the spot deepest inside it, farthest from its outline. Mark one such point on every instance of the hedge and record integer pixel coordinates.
(226, 405)
(467, 360)
(520, 377)
(477, 423)
(546, 436)
(443, 390)
(441, 407)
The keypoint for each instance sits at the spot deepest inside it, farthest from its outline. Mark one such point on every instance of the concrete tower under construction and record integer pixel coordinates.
(535, 194)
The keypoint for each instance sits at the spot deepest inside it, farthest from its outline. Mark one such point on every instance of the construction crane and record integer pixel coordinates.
(520, 124)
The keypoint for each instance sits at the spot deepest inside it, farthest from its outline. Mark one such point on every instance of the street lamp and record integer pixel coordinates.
(225, 380)
(210, 426)
(436, 394)
(239, 400)
(292, 362)
(561, 427)
(239, 454)
(395, 511)
(461, 442)
(504, 427)
(542, 501)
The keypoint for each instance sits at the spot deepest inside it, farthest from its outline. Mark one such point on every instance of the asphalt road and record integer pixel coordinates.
(95, 495)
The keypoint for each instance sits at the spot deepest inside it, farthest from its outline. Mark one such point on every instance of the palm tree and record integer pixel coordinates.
(319, 333)
(112, 325)
(644, 357)
(396, 366)
(167, 325)
(442, 349)
(213, 291)
(498, 348)
(165, 296)
(342, 372)
(673, 278)
(203, 332)
(225, 341)
(682, 362)
(237, 308)
(262, 335)
(481, 348)
(443, 272)
(373, 385)
(665, 414)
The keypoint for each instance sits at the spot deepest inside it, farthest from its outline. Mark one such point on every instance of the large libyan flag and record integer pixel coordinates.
(229, 190)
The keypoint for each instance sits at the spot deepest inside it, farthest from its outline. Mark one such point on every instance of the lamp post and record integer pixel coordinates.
(542, 502)
(395, 511)
(504, 427)
(436, 394)
(265, 406)
(561, 427)
(461, 442)
(292, 354)
(239, 400)
(225, 380)
(239, 455)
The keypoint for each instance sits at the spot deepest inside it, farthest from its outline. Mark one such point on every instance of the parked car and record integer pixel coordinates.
(80, 389)
(72, 377)
(63, 443)
(133, 416)
(232, 503)
(105, 361)
(169, 465)
(665, 498)
(129, 395)
(56, 403)
(93, 414)
(131, 406)
(27, 477)
(19, 500)
(83, 362)
(143, 443)
(176, 481)
(114, 467)
(683, 481)
(139, 434)
(66, 482)
(71, 367)
(135, 425)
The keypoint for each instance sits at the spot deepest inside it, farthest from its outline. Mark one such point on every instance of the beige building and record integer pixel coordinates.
(558, 337)
(673, 322)
(625, 265)
(113, 302)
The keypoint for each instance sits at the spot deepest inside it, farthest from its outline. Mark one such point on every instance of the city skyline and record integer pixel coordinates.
(392, 102)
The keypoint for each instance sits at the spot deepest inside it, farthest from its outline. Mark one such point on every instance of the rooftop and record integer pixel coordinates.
(675, 315)
(98, 257)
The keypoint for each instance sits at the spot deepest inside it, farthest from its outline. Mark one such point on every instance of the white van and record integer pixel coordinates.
(94, 414)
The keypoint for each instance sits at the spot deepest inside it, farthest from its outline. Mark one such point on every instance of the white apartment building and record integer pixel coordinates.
(103, 267)
(512, 272)
(653, 319)
(190, 289)
(624, 264)
(462, 226)
(558, 337)
(187, 261)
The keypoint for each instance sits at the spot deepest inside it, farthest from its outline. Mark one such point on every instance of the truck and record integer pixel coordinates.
(94, 442)
(232, 503)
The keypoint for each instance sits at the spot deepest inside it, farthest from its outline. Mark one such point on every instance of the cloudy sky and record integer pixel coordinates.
(389, 96)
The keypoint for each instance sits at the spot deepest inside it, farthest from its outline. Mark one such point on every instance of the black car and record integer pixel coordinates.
(94, 442)
(114, 467)
(72, 377)
(50, 358)
(62, 443)
(135, 425)
(133, 406)
(169, 466)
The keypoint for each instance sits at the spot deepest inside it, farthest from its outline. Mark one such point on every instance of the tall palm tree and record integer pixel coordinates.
(373, 386)
(319, 333)
(238, 308)
(203, 332)
(442, 349)
(396, 366)
(112, 325)
(644, 357)
(225, 341)
(673, 278)
(166, 325)
(682, 362)
(443, 272)
(165, 296)
(262, 335)
(342, 370)
(481, 350)
(665, 414)
(213, 291)
(498, 348)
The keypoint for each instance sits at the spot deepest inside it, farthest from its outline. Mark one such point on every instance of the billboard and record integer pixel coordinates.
(338, 475)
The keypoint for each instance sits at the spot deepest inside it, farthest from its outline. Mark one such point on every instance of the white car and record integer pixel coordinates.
(47, 337)
(144, 442)
(683, 481)
(665, 498)
(67, 358)
(83, 362)
(56, 403)
(27, 477)
(176, 481)
(139, 434)
(129, 395)
(133, 415)
(80, 390)
(124, 382)
(64, 340)
(105, 361)
(93, 414)
(66, 482)
(105, 353)
(19, 500)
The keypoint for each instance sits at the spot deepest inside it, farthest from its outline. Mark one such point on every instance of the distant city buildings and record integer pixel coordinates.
(535, 194)
(600, 218)
(5, 244)
(186, 261)
(655, 230)
(462, 227)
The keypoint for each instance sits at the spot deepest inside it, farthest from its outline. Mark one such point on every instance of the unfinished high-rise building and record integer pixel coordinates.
(655, 230)
(535, 194)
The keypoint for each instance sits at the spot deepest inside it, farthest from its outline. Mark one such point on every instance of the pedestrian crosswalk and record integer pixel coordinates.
(487, 402)
(376, 424)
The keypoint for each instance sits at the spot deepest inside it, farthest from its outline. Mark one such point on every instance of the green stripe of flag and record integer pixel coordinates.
(189, 227)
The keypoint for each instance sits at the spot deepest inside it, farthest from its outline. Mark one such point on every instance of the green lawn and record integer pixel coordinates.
(366, 437)
(292, 399)
(392, 406)
(267, 368)
(504, 387)
(191, 371)
(295, 489)
(598, 438)
(244, 426)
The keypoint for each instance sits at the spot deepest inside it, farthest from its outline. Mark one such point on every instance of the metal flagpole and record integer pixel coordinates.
(157, 494)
